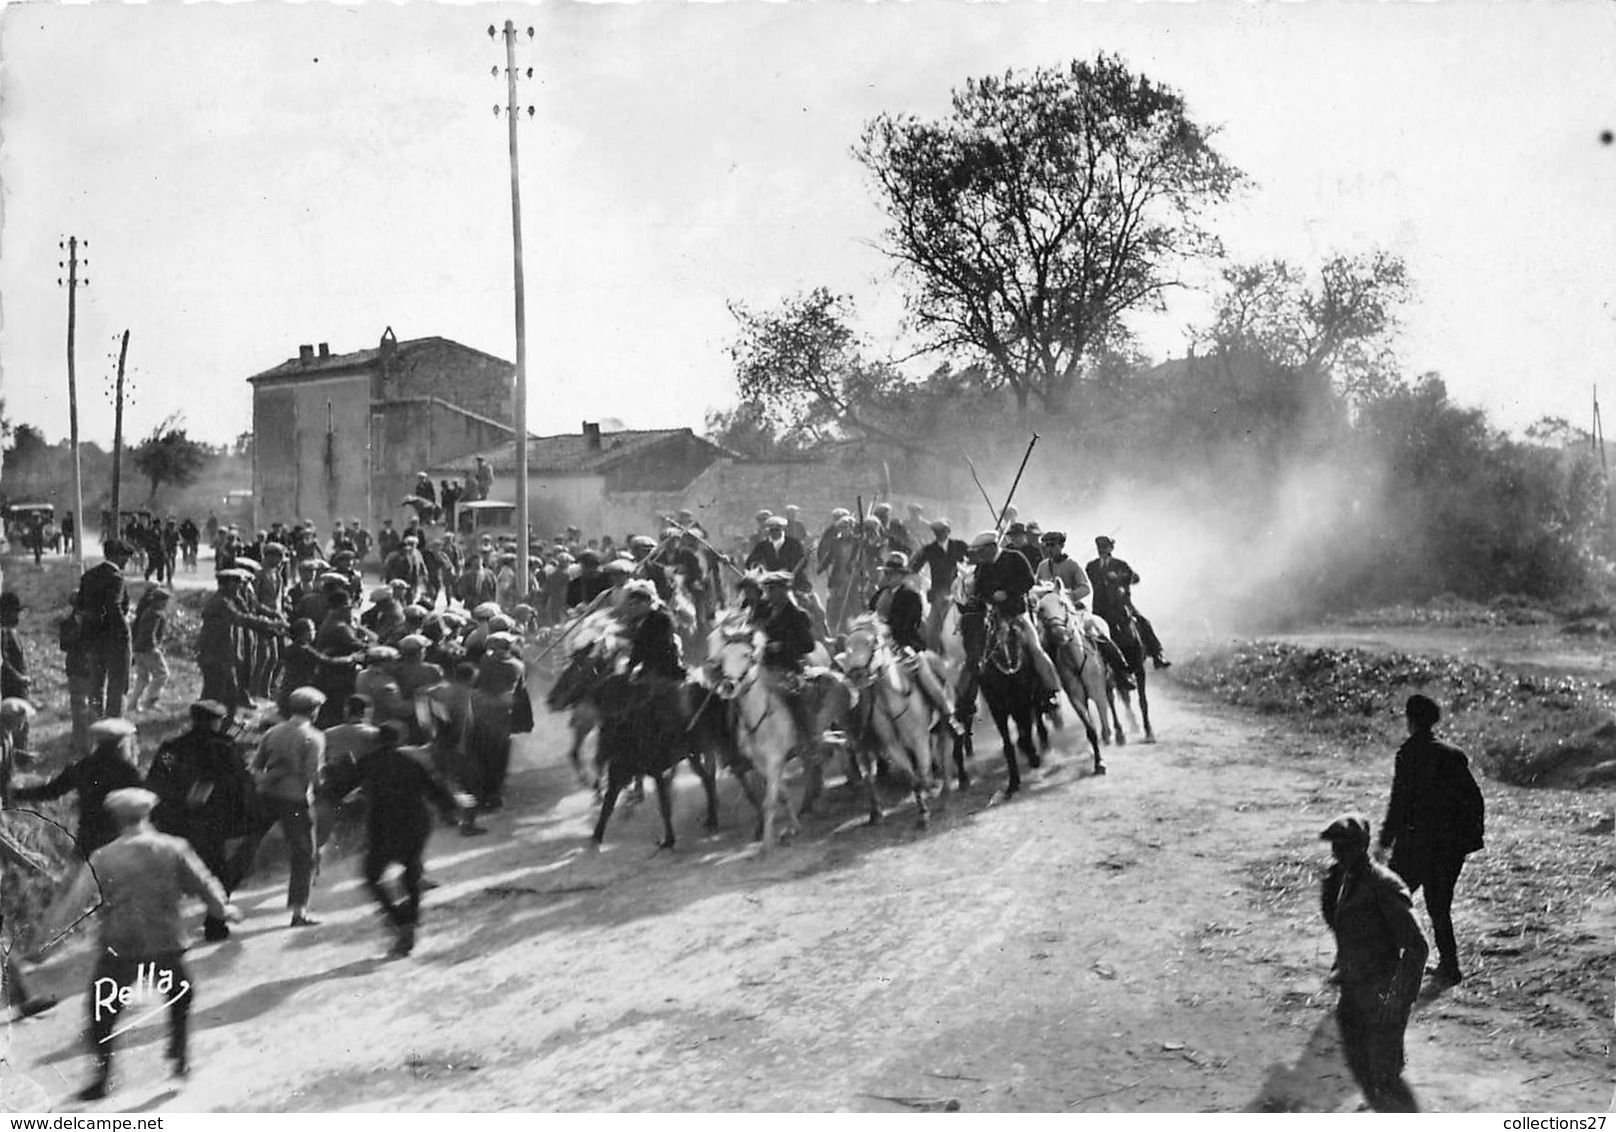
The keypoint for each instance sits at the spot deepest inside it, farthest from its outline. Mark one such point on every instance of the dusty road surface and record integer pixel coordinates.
(1147, 940)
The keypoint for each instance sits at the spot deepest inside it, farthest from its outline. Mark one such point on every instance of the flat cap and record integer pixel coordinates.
(108, 730)
(986, 538)
(639, 587)
(941, 525)
(1351, 828)
(380, 654)
(775, 522)
(645, 541)
(252, 564)
(486, 610)
(382, 593)
(412, 645)
(14, 709)
(501, 641)
(1104, 540)
(776, 578)
(898, 561)
(130, 802)
(305, 700)
(499, 623)
(205, 710)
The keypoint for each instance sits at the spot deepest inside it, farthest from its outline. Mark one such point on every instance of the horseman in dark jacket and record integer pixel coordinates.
(1113, 581)
(654, 649)
(1435, 818)
(785, 624)
(779, 551)
(205, 795)
(1002, 581)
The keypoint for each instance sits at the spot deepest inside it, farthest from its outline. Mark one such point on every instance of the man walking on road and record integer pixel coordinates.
(1434, 820)
(1380, 955)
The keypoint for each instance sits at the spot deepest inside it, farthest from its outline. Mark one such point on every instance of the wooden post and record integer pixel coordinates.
(523, 567)
(117, 433)
(73, 402)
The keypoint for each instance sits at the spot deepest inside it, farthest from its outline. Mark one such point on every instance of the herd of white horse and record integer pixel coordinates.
(863, 700)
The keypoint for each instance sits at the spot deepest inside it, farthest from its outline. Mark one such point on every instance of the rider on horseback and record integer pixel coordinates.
(1113, 597)
(1058, 568)
(789, 633)
(898, 605)
(1003, 581)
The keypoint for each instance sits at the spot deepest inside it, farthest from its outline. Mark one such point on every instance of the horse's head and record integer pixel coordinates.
(863, 645)
(1054, 613)
(733, 649)
(1004, 649)
(595, 648)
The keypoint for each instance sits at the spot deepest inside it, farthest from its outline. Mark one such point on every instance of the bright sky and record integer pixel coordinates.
(255, 176)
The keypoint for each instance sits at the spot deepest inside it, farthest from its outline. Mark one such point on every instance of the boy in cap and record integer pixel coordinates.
(288, 765)
(146, 641)
(143, 875)
(1436, 817)
(1380, 955)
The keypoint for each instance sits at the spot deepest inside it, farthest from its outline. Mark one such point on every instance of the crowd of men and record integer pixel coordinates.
(407, 692)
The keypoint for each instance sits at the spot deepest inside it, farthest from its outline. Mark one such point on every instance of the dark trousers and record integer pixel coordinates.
(401, 850)
(109, 678)
(297, 825)
(1438, 874)
(116, 972)
(219, 683)
(1374, 1048)
(209, 848)
(1147, 635)
(973, 629)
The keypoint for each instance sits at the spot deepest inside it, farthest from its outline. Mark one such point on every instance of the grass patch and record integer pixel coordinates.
(1527, 730)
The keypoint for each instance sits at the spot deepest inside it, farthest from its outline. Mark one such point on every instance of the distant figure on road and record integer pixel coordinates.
(484, 476)
(1435, 818)
(1380, 955)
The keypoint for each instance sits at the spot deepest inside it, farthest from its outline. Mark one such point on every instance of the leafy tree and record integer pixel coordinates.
(1041, 211)
(802, 375)
(1340, 329)
(27, 450)
(169, 456)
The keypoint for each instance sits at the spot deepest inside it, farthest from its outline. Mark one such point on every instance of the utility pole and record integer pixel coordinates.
(524, 572)
(117, 434)
(73, 285)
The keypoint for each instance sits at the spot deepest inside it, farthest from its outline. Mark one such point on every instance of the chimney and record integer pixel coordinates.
(592, 436)
(305, 355)
(325, 349)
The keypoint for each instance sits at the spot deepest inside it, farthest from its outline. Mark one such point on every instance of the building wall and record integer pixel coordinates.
(462, 376)
(669, 466)
(310, 456)
(409, 436)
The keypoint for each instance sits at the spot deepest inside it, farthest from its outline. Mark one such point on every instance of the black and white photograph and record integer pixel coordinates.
(814, 556)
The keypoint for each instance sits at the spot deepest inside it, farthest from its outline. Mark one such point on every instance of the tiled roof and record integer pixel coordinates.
(358, 359)
(570, 453)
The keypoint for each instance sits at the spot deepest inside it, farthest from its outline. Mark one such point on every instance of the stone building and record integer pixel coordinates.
(342, 436)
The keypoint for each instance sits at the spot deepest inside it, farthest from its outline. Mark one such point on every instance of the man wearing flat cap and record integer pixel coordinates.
(103, 608)
(143, 875)
(1380, 956)
(287, 766)
(205, 795)
(940, 560)
(219, 644)
(1113, 581)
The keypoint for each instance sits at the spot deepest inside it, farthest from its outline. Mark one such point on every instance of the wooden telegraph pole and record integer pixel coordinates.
(117, 434)
(73, 285)
(523, 567)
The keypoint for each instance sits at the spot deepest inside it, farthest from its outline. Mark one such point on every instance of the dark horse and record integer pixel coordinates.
(1125, 632)
(1012, 689)
(645, 729)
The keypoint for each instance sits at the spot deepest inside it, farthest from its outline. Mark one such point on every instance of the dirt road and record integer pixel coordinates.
(1148, 940)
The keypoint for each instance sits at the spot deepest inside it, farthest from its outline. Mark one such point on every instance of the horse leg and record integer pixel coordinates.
(1144, 703)
(962, 745)
(614, 786)
(664, 798)
(706, 768)
(576, 752)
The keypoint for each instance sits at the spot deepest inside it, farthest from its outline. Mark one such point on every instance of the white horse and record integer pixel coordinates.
(1077, 662)
(898, 715)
